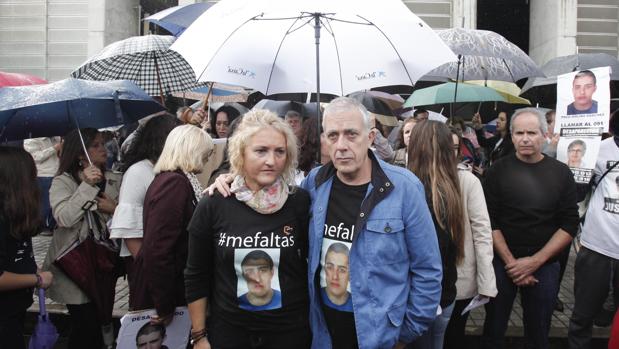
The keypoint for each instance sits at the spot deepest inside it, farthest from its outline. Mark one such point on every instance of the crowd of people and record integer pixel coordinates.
(330, 237)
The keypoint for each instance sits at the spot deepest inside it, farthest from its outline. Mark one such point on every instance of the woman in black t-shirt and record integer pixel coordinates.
(19, 221)
(248, 252)
(431, 158)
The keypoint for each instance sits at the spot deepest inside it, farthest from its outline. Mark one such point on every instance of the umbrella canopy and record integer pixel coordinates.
(144, 60)
(394, 101)
(508, 90)
(15, 79)
(176, 19)
(381, 110)
(544, 89)
(54, 109)
(218, 93)
(44, 335)
(282, 107)
(271, 45)
(444, 93)
(484, 55)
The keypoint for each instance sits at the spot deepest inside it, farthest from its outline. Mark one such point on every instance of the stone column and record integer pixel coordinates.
(552, 29)
(464, 14)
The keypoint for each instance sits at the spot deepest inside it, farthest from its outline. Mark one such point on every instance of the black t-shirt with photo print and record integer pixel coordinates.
(344, 206)
(251, 267)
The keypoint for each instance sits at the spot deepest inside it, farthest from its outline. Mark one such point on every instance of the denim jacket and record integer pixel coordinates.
(395, 263)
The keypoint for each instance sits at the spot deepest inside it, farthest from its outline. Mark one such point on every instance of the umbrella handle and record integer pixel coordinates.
(42, 309)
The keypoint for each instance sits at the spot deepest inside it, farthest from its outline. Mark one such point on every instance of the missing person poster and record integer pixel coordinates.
(136, 331)
(583, 113)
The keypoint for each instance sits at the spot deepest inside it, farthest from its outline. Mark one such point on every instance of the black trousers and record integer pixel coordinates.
(455, 335)
(12, 331)
(86, 329)
(593, 274)
(224, 336)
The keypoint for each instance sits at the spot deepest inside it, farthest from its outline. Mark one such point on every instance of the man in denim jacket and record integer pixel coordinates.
(379, 212)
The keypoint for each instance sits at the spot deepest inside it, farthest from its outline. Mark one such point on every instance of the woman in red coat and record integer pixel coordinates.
(168, 207)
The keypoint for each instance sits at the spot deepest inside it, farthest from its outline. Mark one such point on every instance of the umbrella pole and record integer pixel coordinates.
(79, 132)
(318, 118)
(208, 95)
(451, 107)
(158, 78)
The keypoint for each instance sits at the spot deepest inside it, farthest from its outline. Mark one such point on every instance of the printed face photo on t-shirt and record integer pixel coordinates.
(335, 274)
(258, 280)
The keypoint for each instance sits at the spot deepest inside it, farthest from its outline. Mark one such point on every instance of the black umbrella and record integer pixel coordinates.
(282, 107)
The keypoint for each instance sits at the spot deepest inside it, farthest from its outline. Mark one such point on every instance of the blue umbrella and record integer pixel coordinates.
(54, 109)
(176, 19)
(45, 334)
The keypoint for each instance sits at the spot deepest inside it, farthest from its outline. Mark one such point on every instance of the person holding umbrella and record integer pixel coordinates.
(499, 145)
(81, 185)
(19, 221)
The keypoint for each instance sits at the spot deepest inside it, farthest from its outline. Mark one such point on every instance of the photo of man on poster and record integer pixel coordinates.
(258, 271)
(337, 277)
(151, 336)
(583, 88)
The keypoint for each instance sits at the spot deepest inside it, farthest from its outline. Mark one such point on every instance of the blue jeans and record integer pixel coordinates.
(537, 301)
(435, 336)
(47, 219)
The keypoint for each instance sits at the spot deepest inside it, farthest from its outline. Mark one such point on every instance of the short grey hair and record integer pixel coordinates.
(579, 142)
(541, 118)
(343, 104)
(292, 114)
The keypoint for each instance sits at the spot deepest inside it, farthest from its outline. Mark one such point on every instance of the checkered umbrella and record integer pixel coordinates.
(146, 61)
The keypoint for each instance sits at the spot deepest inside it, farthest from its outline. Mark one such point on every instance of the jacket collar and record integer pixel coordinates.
(379, 178)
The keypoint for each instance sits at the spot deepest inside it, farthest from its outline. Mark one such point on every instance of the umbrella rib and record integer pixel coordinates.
(283, 18)
(299, 27)
(337, 55)
(393, 46)
(277, 54)
(509, 70)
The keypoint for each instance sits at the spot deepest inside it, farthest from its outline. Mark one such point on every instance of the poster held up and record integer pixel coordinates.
(136, 330)
(583, 113)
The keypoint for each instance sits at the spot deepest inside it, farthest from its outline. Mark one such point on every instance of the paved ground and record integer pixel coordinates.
(560, 321)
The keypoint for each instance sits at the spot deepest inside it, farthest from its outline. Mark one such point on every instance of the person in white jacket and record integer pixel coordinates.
(45, 153)
(475, 273)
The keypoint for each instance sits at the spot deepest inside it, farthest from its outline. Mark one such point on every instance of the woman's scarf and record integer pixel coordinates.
(195, 184)
(267, 200)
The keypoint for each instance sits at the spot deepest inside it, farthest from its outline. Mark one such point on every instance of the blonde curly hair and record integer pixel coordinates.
(252, 122)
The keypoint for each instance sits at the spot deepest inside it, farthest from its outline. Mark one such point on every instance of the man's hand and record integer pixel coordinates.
(527, 281)
(519, 269)
(221, 184)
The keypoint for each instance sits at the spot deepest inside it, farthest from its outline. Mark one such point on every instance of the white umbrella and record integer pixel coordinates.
(271, 45)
